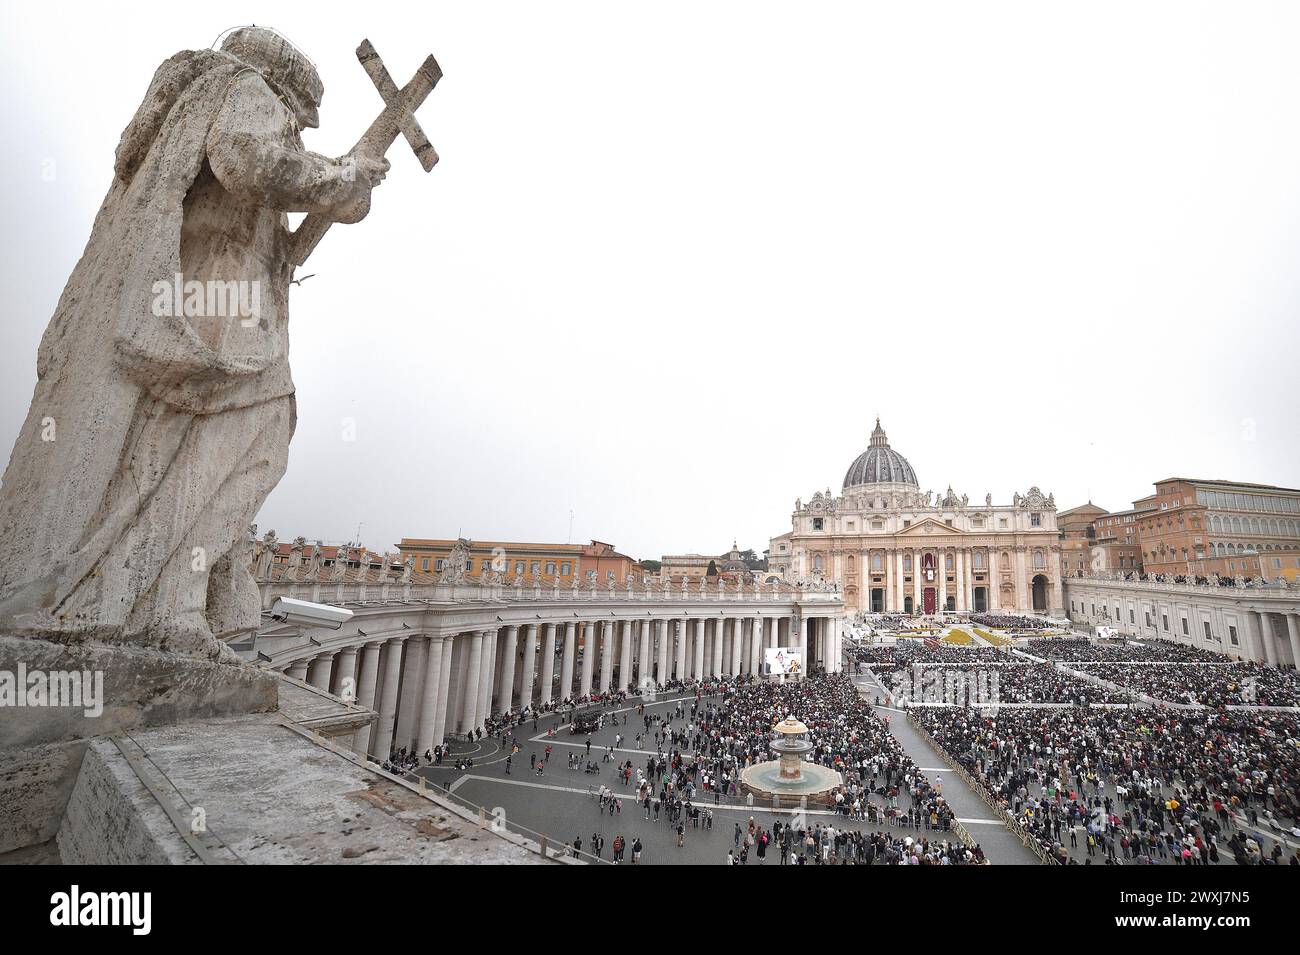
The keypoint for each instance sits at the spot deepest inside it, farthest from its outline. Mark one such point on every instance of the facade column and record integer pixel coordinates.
(918, 597)
(1024, 599)
(297, 670)
(680, 655)
(469, 719)
(801, 636)
(424, 738)
(661, 632)
(566, 663)
(320, 671)
(528, 684)
(588, 658)
(506, 689)
(366, 694)
(548, 663)
(960, 560)
(444, 692)
(994, 601)
(382, 743)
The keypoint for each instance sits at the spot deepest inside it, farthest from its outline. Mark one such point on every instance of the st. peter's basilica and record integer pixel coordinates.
(893, 548)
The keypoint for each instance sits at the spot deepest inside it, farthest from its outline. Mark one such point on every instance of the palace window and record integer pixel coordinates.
(907, 562)
(817, 523)
(564, 569)
(876, 562)
(535, 568)
(1186, 632)
(817, 563)
(1232, 635)
(877, 525)
(1039, 562)
(550, 568)
(978, 559)
(519, 568)
(439, 564)
(850, 525)
(1207, 630)
(424, 563)
(1035, 520)
(947, 562)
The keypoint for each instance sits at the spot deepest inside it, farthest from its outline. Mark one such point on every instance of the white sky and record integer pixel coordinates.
(676, 257)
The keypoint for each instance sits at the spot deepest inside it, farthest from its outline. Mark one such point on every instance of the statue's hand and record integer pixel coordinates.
(363, 174)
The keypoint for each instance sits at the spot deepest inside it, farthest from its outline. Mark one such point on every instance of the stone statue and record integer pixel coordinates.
(341, 562)
(266, 556)
(456, 566)
(408, 568)
(988, 500)
(159, 426)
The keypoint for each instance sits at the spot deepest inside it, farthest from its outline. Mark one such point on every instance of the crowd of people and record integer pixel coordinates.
(702, 745)
(1135, 786)
(1207, 684)
(1010, 621)
(1071, 649)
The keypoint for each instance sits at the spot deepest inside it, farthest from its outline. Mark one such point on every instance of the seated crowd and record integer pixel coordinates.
(1067, 649)
(1135, 786)
(1209, 684)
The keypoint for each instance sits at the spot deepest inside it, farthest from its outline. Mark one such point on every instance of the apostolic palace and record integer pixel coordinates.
(894, 548)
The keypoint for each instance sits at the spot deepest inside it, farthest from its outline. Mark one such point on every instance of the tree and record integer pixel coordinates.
(713, 569)
(652, 565)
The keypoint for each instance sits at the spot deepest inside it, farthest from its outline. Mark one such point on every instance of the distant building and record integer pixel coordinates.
(560, 562)
(697, 565)
(1229, 528)
(1095, 540)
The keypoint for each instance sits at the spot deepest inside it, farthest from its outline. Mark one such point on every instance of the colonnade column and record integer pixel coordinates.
(566, 663)
(697, 657)
(1266, 636)
(801, 636)
(433, 698)
(548, 662)
(715, 669)
(444, 692)
(625, 654)
(320, 671)
(382, 743)
(1293, 637)
(297, 669)
(661, 631)
(606, 655)
(527, 684)
(366, 693)
(486, 675)
(643, 655)
(469, 717)
(680, 656)
(345, 673)
(506, 690)
(588, 658)
(737, 645)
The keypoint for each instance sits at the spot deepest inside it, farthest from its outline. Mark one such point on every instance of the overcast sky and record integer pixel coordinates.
(675, 258)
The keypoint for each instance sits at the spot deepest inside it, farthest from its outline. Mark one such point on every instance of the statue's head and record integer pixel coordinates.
(285, 68)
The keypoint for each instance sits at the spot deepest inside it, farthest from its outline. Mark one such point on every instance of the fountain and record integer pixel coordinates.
(789, 780)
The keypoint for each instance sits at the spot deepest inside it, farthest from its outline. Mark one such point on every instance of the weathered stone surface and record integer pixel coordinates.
(270, 796)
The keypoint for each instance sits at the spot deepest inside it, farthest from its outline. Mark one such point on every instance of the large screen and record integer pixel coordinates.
(783, 661)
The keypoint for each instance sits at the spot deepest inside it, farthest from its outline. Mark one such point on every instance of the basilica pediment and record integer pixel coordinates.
(931, 529)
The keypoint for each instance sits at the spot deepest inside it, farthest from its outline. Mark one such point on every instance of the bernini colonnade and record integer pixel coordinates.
(437, 660)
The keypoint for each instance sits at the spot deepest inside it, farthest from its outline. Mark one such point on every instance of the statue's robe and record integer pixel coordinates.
(152, 440)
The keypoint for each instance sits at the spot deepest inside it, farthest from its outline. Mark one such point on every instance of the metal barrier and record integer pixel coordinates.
(1028, 839)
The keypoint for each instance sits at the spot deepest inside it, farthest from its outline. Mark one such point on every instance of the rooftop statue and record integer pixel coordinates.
(164, 406)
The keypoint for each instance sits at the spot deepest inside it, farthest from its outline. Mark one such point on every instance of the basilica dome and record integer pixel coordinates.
(880, 464)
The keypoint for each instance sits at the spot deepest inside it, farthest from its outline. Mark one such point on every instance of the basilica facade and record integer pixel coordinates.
(893, 548)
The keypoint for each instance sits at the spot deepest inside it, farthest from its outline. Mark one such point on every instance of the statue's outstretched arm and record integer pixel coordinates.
(248, 156)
